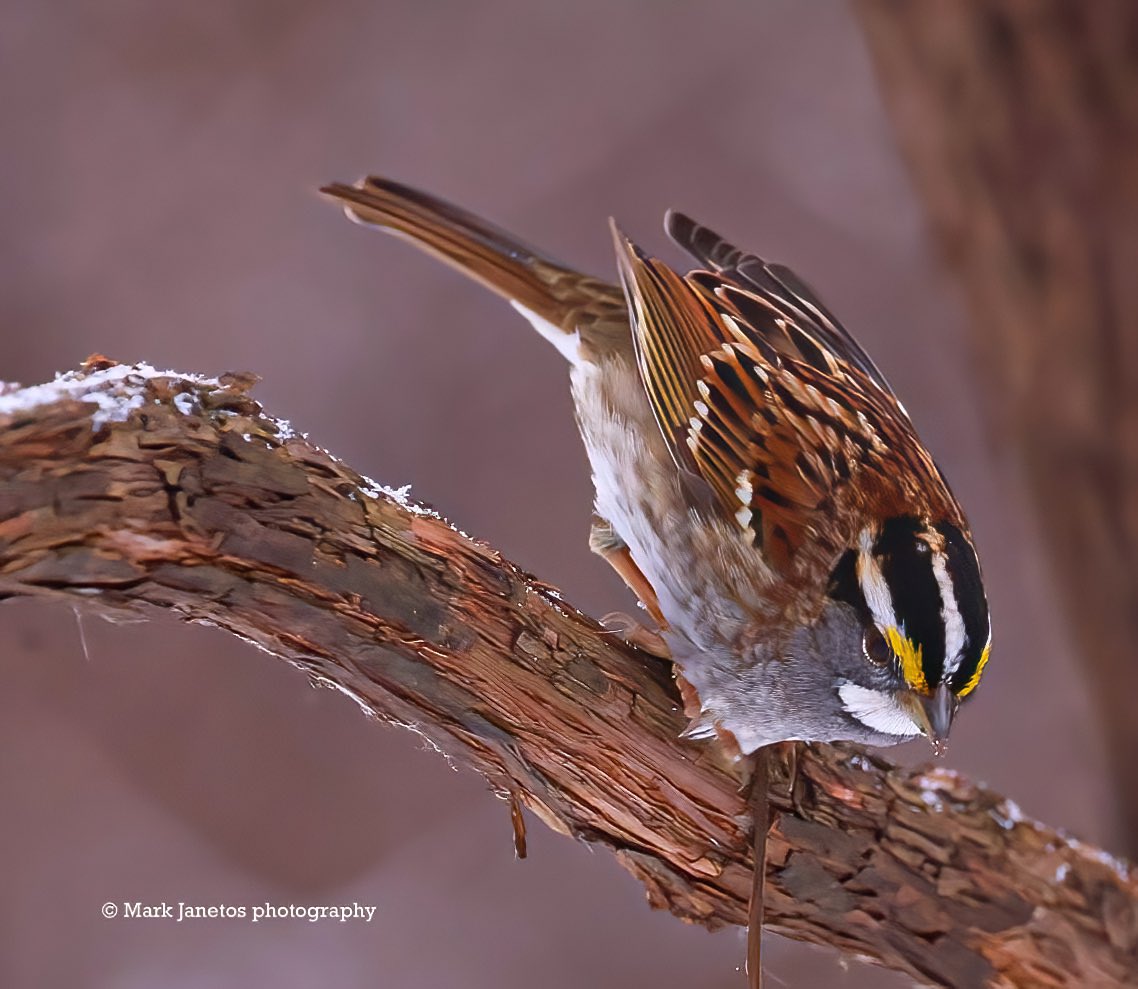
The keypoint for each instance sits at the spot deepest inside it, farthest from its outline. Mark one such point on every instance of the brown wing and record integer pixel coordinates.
(764, 395)
(779, 288)
(672, 331)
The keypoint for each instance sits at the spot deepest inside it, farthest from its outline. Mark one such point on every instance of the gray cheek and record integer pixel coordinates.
(836, 639)
(789, 688)
(837, 636)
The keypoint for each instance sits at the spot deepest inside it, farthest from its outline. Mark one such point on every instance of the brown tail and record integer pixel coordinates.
(480, 250)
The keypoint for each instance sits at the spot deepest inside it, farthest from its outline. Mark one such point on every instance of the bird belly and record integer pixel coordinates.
(705, 591)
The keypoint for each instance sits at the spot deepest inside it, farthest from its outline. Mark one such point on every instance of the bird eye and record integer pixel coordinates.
(876, 649)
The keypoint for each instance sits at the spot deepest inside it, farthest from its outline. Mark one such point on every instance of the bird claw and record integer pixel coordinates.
(636, 634)
(787, 754)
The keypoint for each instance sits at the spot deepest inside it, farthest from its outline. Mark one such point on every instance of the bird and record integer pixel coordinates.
(758, 485)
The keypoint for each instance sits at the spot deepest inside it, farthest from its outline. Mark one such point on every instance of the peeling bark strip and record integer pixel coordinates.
(130, 487)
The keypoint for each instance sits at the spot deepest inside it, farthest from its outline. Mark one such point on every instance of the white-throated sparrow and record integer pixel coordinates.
(758, 484)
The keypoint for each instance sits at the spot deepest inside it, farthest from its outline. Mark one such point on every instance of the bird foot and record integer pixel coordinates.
(636, 634)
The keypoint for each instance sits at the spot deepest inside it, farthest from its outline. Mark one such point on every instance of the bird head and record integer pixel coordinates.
(916, 589)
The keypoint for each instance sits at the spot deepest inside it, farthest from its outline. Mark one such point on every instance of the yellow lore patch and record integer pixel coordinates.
(910, 656)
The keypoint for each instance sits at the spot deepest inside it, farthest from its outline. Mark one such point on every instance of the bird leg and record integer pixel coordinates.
(519, 825)
(761, 817)
(613, 550)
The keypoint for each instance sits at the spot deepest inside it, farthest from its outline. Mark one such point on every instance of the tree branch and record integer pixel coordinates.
(131, 487)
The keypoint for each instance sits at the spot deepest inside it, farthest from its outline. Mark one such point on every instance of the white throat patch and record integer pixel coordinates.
(876, 709)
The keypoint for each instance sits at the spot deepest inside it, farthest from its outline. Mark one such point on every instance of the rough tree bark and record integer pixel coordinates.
(130, 487)
(1019, 119)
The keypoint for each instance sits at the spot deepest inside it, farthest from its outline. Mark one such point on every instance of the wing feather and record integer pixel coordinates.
(762, 393)
(672, 328)
(776, 286)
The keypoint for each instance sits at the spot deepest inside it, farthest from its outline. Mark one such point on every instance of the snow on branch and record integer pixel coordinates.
(133, 487)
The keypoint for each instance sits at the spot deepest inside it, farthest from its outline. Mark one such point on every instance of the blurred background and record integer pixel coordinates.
(158, 193)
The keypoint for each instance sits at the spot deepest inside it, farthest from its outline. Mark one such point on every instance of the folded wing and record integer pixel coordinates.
(761, 392)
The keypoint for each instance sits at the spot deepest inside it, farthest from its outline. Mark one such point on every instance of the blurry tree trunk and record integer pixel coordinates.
(1019, 120)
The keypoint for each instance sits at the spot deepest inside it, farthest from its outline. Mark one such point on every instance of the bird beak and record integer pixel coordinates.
(933, 714)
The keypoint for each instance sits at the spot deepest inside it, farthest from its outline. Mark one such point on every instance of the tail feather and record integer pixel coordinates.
(479, 249)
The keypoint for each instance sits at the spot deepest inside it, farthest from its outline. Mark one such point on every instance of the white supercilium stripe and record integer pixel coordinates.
(954, 634)
(873, 584)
